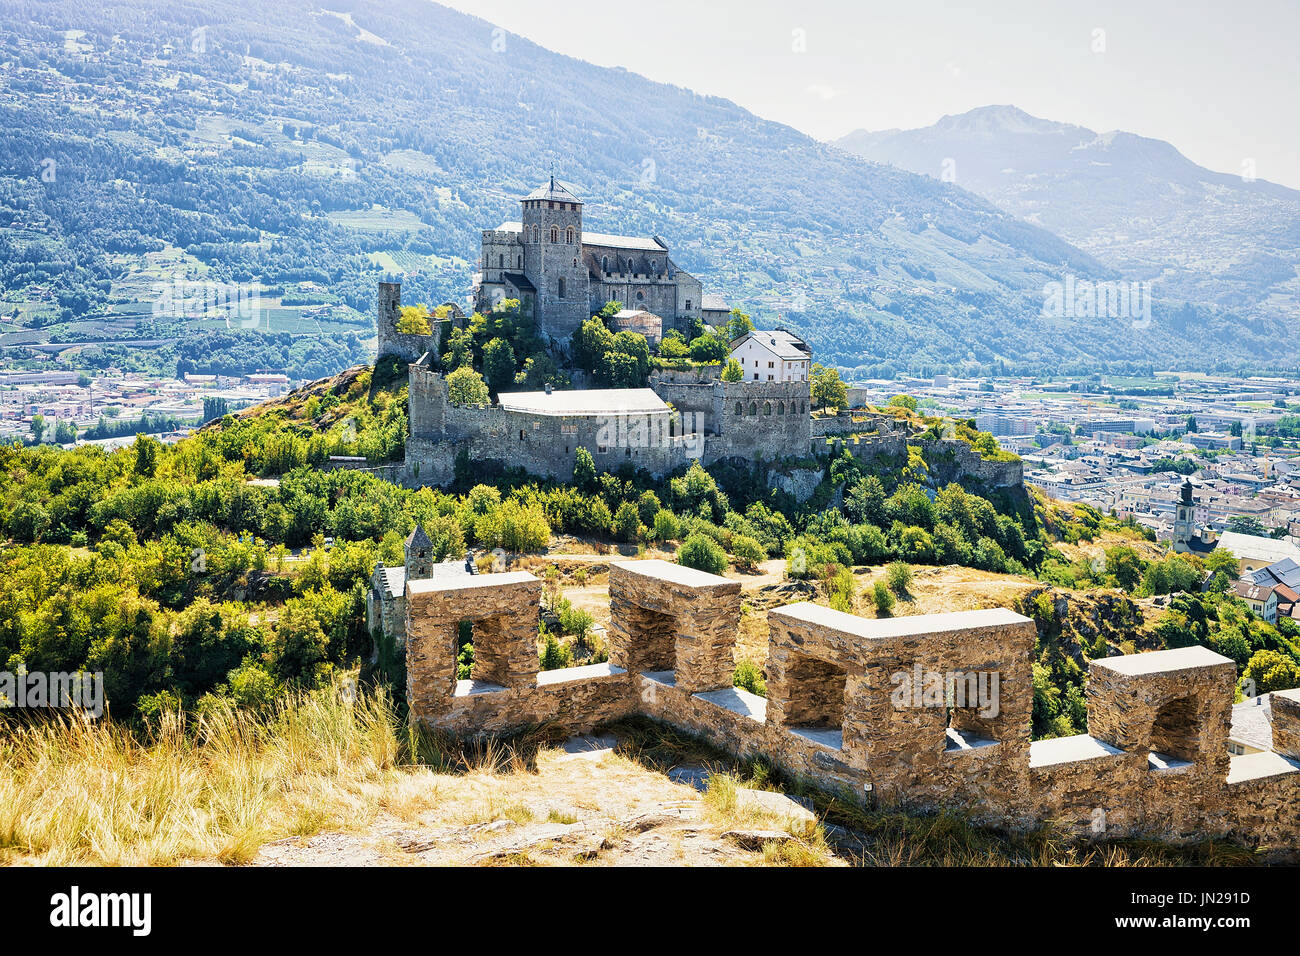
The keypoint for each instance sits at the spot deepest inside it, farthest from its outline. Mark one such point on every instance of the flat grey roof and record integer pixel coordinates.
(675, 573)
(1252, 722)
(466, 582)
(587, 401)
(883, 628)
(1153, 662)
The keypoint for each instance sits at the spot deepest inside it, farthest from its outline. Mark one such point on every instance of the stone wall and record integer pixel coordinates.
(929, 711)
(664, 616)
(762, 421)
(388, 309)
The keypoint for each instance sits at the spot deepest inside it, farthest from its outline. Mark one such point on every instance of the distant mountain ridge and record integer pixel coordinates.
(293, 142)
(1137, 204)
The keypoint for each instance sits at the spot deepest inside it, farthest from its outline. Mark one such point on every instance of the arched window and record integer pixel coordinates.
(561, 288)
(555, 234)
(604, 263)
(767, 408)
(501, 262)
(753, 408)
(537, 234)
(780, 408)
(740, 408)
(640, 296)
(568, 235)
(519, 262)
(629, 265)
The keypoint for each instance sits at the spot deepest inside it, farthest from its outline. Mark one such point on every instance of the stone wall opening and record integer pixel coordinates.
(653, 644)
(971, 709)
(1176, 730)
(482, 655)
(815, 696)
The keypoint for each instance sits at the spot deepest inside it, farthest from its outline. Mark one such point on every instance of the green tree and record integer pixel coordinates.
(738, 324)
(733, 372)
(708, 348)
(584, 470)
(589, 343)
(1247, 524)
(828, 391)
(466, 387)
(903, 401)
(1271, 670)
(414, 320)
(498, 365)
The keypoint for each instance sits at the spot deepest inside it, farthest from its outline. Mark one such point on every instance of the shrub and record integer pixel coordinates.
(553, 654)
(627, 522)
(667, 527)
(883, 598)
(747, 552)
(899, 577)
(747, 676)
(702, 553)
(575, 621)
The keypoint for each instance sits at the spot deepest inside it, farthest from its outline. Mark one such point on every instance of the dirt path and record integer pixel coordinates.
(585, 804)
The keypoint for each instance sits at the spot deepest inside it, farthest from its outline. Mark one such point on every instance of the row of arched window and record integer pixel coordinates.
(570, 234)
(627, 265)
(796, 408)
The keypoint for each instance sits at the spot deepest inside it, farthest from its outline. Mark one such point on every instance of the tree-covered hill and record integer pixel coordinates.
(292, 142)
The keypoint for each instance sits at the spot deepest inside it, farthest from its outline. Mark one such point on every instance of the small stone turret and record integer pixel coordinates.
(419, 555)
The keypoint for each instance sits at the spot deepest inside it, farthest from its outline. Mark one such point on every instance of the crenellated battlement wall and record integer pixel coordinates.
(930, 712)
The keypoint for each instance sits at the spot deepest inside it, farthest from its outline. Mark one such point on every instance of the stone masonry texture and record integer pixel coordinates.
(928, 712)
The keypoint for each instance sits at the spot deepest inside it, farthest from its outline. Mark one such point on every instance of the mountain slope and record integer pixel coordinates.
(297, 143)
(1137, 204)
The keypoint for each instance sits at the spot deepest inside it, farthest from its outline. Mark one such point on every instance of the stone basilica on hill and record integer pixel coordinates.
(565, 275)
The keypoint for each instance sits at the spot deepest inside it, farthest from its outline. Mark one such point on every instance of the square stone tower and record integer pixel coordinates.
(553, 262)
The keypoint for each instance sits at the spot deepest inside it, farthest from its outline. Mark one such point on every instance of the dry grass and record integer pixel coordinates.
(76, 791)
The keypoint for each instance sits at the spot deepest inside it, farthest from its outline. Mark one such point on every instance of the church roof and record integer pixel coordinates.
(555, 190)
(622, 242)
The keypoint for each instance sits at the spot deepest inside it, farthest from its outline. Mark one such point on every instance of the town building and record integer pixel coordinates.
(772, 356)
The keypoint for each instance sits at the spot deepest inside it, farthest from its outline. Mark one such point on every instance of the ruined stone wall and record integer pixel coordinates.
(388, 309)
(850, 708)
(955, 460)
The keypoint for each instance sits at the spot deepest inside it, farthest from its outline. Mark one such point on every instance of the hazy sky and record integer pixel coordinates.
(1221, 81)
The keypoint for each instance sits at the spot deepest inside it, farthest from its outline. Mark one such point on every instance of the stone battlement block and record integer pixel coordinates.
(1175, 703)
(667, 617)
(1285, 705)
(502, 613)
(901, 689)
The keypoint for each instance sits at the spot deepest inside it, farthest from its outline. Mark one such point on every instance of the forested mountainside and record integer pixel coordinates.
(291, 143)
